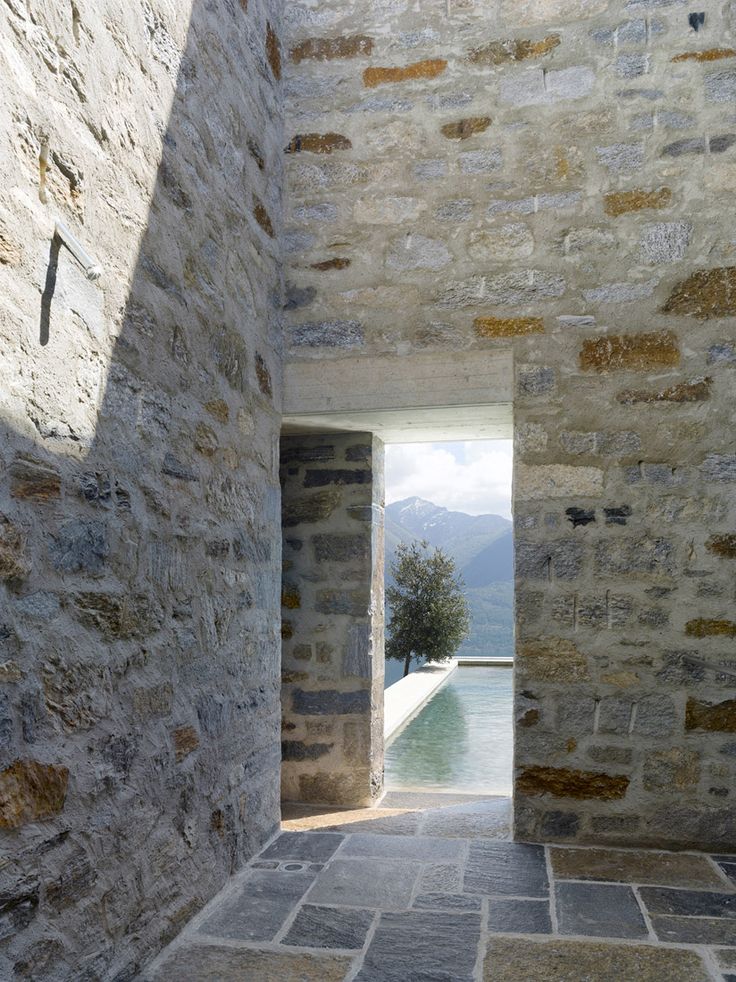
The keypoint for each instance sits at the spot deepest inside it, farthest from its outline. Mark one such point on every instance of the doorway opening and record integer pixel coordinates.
(449, 725)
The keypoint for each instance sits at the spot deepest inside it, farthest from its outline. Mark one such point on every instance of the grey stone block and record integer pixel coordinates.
(421, 848)
(631, 65)
(689, 903)
(614, 715)
(417, 252)
(665, 242)
(341, 548)
(719, 467)
(80, 546)
(480, 161)
(536, 380)
(599, 910)
(621, 158)
(259, 910)
(315, 847)
(327, 334)
(506, 869)
(519, 916)
(329, 702)
(422, 945)
(691, 145)
(446, 901)
(454, 211)
(720, 86)
(655, 716)
(381, 883)
(428, 170)
(329, 927)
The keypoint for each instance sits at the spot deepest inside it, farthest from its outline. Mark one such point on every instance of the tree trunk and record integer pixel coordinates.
(407, 663)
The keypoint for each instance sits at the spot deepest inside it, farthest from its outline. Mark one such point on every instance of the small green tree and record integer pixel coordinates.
(429, 614)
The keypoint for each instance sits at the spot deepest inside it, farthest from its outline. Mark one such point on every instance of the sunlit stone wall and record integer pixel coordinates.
(556, 176)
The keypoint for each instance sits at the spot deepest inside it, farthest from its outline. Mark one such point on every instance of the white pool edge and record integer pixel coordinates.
(403, 700)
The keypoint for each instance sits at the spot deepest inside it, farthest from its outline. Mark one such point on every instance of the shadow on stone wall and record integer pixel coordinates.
(140, 550)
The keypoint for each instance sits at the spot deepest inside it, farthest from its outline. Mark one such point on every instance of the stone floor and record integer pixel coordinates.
(429, 888)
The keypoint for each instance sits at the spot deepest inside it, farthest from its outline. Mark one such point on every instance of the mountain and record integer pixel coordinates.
(482, 547)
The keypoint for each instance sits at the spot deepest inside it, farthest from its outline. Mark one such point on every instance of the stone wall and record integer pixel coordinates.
(332, 627)
(556, 176)
(139, 499)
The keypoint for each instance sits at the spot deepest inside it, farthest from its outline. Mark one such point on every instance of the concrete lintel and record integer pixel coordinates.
(467, 395)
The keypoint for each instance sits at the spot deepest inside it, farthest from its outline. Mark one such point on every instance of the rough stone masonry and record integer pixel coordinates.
(139, 498)
(553, 176)
(557, 176)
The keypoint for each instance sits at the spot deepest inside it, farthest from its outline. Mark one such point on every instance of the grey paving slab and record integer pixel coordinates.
(329, 927)
(695, 930)
(599, 910)
(421, 848)
(260, 907)
(511, 916)
(422, 946)
(441, 878)
(446, 901)
(726, 957)
(484, 819)
(506, 869)
(689, 903)
(366, 882)
(315, 847)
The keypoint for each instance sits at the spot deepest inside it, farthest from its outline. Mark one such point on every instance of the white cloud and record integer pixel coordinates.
(474, 477)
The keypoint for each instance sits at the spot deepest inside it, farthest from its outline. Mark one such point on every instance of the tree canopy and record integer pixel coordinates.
(429, 613)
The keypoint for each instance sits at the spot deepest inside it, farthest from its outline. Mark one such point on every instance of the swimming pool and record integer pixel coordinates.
(462, 740)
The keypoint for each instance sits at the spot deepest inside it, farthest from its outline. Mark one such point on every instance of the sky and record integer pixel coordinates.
(474, 477)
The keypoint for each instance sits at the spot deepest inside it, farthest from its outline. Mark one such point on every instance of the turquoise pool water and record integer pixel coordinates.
(462, 740)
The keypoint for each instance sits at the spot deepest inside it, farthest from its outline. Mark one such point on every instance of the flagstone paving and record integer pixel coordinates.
(432, 889)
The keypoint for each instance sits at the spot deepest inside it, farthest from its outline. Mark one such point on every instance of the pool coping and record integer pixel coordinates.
(403, 700)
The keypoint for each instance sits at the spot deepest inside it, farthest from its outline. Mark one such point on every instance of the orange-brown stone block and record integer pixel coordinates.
(703, 627)
(621, 202)
(31, 792)
(697, 390)
(318, 143)
(14, 564)
(264, 376)
(708, 293)
(552, 659)
(219, 409)
(273, 51)
(32, 480)
(632, 352)
(186, 739)
(464, 128)
(327, 264)
(262, 217)
(710, 54)
(290, 598)
(562, 782)
(430, 68)
(500, 52)
(722, 545)
(329, 49)
(507, 327)
(719, 717)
